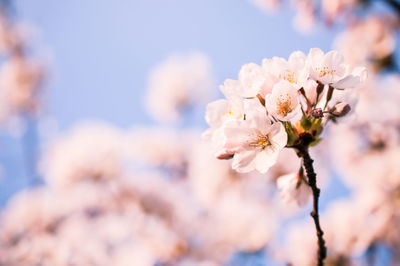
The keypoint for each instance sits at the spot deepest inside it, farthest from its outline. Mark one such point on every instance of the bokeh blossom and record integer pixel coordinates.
(177, 83)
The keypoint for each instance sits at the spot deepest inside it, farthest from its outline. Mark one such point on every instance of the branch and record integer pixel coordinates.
(312, 181)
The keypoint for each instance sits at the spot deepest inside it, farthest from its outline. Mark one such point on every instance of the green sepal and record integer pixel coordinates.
(305, 123)
(316, 128)
(291, 133)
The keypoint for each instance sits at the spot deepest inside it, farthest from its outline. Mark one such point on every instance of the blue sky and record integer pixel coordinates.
(101, 51)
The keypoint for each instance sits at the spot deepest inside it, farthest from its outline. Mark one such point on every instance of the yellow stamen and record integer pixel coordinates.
(284, 104)
(289, 76)
(262, 142)
(325, 71)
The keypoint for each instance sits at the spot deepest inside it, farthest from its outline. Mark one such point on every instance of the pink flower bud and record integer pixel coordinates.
(317, 113)
(224, 155)
(340, 109)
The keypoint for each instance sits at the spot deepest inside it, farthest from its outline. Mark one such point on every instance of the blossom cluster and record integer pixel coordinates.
(375, 49)
(274, 105)
(21, 77)
(308, 12)
(378, 45)
(103, 189)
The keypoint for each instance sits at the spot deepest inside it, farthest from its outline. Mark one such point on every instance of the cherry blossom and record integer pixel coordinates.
(256, 143)
(254, 80)
(293, 189)
(293, 70)
(331, 69)
(283, 103)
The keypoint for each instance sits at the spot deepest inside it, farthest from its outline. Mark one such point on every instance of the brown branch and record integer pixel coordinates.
(302, 151)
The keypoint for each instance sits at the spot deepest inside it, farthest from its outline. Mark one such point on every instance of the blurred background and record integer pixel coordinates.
(99, 55)
(101, 157)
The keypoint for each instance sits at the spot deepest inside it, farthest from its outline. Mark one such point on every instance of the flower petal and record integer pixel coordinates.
(265, 159)
(358, 76)
(243, 161)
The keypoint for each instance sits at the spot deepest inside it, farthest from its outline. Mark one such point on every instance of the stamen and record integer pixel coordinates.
(232, 114)
(261, 141)
(284, 105)
(289, 76)
(325, 71)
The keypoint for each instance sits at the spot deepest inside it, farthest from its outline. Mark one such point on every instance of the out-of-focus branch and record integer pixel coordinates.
(29, 142)
(371, 254)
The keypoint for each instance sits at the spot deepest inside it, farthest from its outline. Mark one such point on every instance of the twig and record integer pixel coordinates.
(312, 181)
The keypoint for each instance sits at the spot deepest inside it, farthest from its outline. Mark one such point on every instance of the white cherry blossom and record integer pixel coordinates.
(293, 70)
(217, 113)
(326, 68)
(224, 109)
(256, 143)
(283, 103)
(236, 112)
(254, 80)
(331, 69)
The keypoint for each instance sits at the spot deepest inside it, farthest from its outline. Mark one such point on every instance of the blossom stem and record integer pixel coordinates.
(312, 182)
(309, 105)
(328, 96)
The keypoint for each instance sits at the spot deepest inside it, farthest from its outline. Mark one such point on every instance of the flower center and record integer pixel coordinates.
(231, 114)
(288, 75)
(284, 105)
(325, 71)
(262, 141)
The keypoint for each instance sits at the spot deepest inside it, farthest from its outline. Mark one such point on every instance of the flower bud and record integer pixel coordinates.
(317, 113)
(224, 155)
(340, 109)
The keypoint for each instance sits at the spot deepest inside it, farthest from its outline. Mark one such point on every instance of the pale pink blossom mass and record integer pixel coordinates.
(177, 83)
